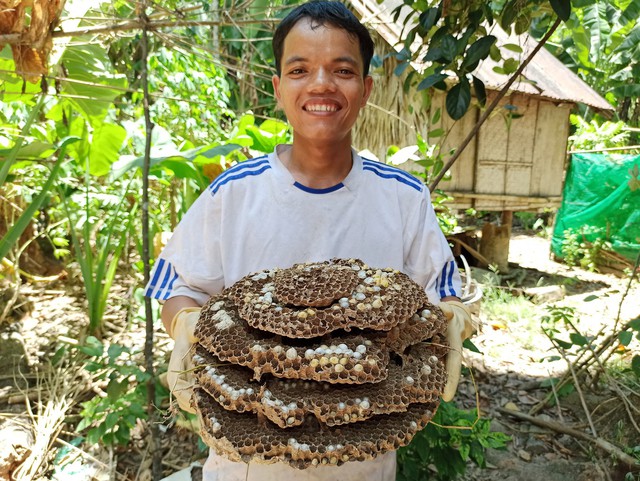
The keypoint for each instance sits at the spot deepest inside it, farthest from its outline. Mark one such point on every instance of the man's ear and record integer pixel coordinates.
(275, 80)
(368, 88)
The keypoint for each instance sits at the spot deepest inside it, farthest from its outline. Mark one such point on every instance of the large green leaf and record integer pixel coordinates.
(126, 163)
(105, 147)
(632, 44)
(429, 17)
(581, 44)
(91, 81)
(627, 91)
(449, 47)
(79, 151)
(431, 80)
(458, 99)
(508, 15)
(562, 8)
(479, 50)
(597, 24)
(268, 135)
(33, 150)
(480, 91)
(631, 13)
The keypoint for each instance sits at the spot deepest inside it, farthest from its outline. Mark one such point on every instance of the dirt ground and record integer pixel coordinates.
(509, 371)
(508, 374)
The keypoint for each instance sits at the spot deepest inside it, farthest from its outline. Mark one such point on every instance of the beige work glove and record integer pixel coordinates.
(460, 327)
(179, 374)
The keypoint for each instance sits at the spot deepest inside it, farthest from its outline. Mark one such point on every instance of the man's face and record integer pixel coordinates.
(321, 88)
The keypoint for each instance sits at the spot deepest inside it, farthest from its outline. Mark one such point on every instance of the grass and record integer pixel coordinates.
(503, 309)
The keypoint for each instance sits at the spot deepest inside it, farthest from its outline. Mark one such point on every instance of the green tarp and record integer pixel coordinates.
(598, 202)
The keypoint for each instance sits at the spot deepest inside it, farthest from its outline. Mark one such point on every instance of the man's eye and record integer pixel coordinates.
(296, 71)
(345, 71)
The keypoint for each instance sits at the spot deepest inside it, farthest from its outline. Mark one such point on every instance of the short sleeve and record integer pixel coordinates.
(190, 264)
(428, 257)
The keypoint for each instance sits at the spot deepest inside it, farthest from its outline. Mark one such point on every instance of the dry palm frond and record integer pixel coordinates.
(59, 387)
(32, 21)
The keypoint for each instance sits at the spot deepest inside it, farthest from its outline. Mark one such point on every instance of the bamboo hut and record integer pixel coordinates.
(518, 158)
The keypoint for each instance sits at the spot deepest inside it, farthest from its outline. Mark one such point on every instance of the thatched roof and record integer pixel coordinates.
(545, 77)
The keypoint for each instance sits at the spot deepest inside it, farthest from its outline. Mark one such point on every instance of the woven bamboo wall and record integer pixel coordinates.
(516, 162)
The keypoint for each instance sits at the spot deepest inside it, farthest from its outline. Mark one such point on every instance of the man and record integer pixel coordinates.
(310, 201)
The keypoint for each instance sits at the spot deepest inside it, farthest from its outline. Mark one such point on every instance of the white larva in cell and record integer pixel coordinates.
(291, 353)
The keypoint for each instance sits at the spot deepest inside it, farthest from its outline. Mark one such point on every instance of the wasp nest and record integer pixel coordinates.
(319, 363)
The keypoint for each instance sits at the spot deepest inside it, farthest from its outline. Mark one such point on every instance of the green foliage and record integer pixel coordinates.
(441, 450)
(595, 135)
(14, 232)
(561, 326)
(456, 36)
(109, 420)
(90, 81)
(577, 251)
(530, 221)
(194, 105)
(600, 43)
(100, 218)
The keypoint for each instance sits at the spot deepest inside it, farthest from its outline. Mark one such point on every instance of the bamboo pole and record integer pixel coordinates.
(607, 149)
(154, 437)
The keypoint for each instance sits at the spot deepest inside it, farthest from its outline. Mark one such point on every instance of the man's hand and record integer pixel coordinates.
(460, 327)
(179, 375)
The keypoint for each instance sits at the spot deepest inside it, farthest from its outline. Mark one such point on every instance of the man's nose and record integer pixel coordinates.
(322, 80)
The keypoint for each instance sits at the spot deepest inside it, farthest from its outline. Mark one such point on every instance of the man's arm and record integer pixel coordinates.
(172, 306)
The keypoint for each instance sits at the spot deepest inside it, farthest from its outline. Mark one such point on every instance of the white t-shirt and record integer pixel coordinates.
(255, 216)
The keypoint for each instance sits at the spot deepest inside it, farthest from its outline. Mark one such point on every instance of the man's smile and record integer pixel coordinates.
(313, 107)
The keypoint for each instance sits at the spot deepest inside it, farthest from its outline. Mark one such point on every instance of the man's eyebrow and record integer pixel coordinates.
(347, 59)
(294, 59)
(298, 58)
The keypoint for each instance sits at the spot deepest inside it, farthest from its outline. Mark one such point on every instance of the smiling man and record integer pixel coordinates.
(310, 201)
(322, 84)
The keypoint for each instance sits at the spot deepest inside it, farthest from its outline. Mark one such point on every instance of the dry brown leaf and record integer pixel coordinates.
(29, 63)
(39, 26)
(11, 17)
(7, 4)
(31, 50)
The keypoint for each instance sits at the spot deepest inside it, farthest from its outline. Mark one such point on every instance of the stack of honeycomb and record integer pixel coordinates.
(318, 364)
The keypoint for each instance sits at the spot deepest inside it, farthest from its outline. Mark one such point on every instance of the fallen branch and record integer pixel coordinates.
(603, 444)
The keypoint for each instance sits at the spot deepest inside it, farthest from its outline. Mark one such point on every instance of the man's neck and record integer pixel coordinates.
(318, 166)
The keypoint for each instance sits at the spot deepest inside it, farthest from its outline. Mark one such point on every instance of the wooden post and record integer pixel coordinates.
(494, 245)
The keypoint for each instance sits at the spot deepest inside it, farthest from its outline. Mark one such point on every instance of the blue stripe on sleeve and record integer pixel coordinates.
(441, 279)
(161, 284)
(239, 171)
(170, 288)
(389, 172)
(452, 291)
(445, 280)
(240, 175)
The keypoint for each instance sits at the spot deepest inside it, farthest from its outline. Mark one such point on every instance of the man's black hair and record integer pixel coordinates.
(322, 12)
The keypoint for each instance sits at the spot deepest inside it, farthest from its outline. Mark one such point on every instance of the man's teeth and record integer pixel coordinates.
(321, 108)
